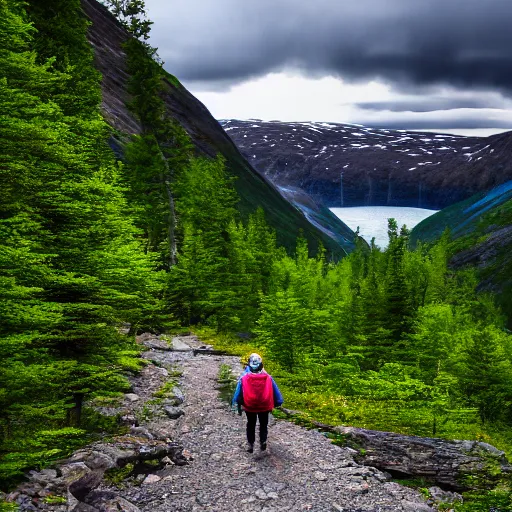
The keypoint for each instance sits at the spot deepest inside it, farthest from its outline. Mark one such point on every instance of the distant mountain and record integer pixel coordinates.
(380, 167)
(319, 226)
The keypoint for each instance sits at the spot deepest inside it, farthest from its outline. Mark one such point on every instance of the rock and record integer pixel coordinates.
(173, 412)
(73, 471)
(153, 342)
(437, 495)
(83, 486)
(94, 459)
(132, 397)
(44, 476)
(128, 419)
(172, 401)
(441, 461)
(359, 488)
(413, 506)
(83, 507)
(320, 476)
(72, 502)
(260, 494)
(151, 479)
(13, 496)
(141, 431)
(179, 345)
(216, 457)
(273, 495)
(188, 455)
(107, 501)
(177, 395)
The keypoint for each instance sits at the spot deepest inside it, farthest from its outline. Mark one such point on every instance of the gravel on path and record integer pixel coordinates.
(301, 469)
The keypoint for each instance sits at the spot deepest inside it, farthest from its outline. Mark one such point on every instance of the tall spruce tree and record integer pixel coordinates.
(72, 268)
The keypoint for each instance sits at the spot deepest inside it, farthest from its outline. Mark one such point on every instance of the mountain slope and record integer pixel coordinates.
(481, 229)
(107, 38)
(380, 167)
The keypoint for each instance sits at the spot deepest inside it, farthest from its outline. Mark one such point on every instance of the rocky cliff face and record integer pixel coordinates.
(379, 167)
(107, 37)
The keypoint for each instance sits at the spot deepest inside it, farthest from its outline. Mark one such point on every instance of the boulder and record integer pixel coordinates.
(173, 412)
(445, 462)
(81, 487)
(108, 501)
(77, 477)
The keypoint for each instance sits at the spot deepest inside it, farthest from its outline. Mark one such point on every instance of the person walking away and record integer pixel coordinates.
(258, 394)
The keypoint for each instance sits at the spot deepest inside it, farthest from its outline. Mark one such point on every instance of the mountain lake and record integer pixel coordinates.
(373, 220)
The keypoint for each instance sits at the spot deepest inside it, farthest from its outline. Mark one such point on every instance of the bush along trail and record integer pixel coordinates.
(183, 450)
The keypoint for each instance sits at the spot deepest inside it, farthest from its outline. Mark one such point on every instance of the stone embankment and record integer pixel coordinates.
(184, 451)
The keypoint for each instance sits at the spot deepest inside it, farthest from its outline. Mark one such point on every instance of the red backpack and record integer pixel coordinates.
(258, 393)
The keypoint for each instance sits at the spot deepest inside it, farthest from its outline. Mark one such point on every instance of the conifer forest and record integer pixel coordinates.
(98, 246)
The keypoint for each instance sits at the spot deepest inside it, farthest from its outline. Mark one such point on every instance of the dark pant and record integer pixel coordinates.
(251, 426)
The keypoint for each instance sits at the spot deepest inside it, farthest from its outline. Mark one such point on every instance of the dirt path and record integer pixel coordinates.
(301, 470)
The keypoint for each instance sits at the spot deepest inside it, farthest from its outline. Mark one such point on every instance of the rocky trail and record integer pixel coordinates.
(301, 470)
(188, 452)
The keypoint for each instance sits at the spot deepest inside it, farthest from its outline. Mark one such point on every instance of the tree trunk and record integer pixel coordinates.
(171, 228)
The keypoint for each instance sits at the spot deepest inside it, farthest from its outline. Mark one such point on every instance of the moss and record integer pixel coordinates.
(227, 382)
(8, 507)
(116, 476)
(55, 500)
(172, 79)
(166, 390)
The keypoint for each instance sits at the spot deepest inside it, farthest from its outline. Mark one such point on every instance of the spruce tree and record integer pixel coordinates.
(72, 267)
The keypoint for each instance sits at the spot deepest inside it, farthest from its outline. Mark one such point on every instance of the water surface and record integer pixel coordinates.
(373, 220)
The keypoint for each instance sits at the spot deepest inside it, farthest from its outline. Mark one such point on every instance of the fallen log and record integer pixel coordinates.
(451, 464)
(209, 352)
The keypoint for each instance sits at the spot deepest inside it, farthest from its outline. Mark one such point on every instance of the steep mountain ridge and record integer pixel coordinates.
(107, 37)
(380, 167)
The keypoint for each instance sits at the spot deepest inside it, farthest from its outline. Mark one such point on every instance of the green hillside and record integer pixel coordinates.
(481, 237)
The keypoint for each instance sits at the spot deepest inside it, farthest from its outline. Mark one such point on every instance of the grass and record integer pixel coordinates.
(227, 382)
(408, 417)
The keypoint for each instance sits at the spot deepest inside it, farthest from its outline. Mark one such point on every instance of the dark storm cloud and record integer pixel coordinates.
(430, 104)
(461, 43)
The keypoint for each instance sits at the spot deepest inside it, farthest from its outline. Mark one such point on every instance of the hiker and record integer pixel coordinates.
(258, 394)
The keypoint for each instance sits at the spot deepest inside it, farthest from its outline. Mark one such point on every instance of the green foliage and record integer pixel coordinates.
(387, 340)
(132, 15)
(38, 450)
(166, 389)
(382, 339)
(499, 500)
(117, 476)
(55, 500)
(8, 507)
(72, 263)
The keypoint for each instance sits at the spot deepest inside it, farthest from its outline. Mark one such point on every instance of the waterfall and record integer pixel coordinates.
(341, 189)
(389, 190)
(369, 197)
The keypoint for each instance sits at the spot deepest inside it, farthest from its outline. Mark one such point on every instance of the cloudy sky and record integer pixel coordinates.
(426, 64)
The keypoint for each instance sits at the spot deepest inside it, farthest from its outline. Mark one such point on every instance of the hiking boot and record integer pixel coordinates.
(250, 447)
(263, 446)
